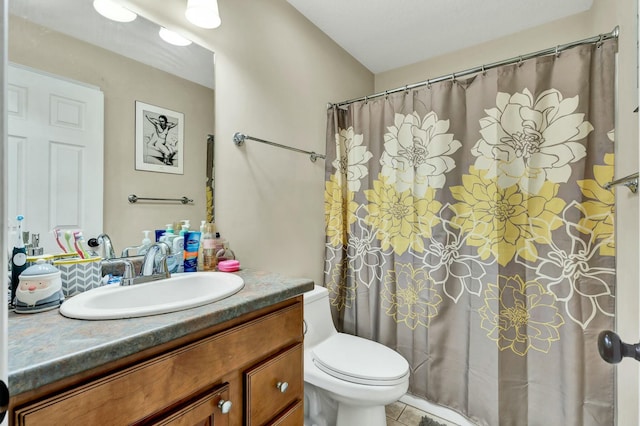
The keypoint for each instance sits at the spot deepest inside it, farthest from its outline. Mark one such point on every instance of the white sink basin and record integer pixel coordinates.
(181, 291)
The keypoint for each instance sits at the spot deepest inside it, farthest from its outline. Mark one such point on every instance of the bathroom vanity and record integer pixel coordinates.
(237, 361)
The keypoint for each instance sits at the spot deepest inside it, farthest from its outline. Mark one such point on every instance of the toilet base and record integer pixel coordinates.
(350, 415)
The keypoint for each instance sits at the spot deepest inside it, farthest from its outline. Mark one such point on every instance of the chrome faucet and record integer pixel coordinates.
(129, 269)
(107, 247)
(154, 265)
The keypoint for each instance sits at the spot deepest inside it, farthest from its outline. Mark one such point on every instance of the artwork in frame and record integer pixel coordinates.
(159, 139)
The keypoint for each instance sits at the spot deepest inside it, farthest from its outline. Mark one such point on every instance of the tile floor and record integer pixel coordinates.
(401, 414)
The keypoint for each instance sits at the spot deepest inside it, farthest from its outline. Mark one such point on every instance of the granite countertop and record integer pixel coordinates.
(47, 347)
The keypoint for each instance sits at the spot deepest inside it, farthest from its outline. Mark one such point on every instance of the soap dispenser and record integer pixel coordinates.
(146, 243)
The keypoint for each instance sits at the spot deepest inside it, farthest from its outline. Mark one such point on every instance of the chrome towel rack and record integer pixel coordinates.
(134, 198)
(239, 138)
(630, 182)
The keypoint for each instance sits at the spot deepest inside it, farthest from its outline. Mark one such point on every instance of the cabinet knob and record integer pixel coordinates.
(224, 406)
(282, 386)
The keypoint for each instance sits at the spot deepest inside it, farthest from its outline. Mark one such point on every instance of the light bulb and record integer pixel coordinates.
(112, 10)
(203, 13)
(173, 38)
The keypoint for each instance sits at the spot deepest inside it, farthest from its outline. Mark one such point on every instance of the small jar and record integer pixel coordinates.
(225, 254)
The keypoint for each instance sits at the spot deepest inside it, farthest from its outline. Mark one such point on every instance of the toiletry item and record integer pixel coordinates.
(178, 253)
(67, 237)
(184, 230)
(201, 248)
(18, 259)
(208, 244)
(168, 236)
(145, 244)
(78, 239)
(191, 245)
(225, 253)
(159, 234)
(35, 249)
(57, 233)
(229, 266)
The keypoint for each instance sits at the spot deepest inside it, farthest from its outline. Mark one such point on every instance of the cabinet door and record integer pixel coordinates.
(209, 409)
(273, 385)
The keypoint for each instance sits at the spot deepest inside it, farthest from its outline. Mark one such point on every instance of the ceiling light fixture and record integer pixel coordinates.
(112, 10)
(173, 37)
(203, 13)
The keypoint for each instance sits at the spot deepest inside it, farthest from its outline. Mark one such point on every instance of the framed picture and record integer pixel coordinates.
(159, 139)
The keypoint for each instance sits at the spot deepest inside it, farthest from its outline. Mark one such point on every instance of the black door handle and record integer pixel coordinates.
(4, 400)
(612, 349)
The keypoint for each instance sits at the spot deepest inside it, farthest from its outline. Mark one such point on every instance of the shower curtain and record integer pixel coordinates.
(468, 228)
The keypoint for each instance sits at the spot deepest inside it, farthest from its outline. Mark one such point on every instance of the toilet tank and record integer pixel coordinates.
(318, 324)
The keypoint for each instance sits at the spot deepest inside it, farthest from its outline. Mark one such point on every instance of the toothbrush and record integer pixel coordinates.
(77, 236)
(67, 236)
(58, 234)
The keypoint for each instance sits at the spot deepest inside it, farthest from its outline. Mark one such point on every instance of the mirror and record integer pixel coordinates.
(127, 63)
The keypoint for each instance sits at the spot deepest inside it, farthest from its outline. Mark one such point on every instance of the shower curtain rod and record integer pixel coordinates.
(482, 68)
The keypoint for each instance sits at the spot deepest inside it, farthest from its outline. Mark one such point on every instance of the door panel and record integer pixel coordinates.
(55, 154)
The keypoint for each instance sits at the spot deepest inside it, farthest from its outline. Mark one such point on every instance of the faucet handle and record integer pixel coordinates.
(163, 268)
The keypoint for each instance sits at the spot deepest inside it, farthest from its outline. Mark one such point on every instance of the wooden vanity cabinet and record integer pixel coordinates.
(252, 364)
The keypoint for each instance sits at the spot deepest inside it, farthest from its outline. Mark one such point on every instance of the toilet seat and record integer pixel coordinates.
(360, 361)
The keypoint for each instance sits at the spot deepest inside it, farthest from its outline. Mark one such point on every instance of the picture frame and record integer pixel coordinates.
(159, 139)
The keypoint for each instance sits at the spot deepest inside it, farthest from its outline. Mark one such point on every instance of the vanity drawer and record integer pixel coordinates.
(293, 416)
(273, 385)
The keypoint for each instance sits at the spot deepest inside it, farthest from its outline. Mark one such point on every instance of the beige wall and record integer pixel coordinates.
(602, 18)
(124, 81)
(275, 74)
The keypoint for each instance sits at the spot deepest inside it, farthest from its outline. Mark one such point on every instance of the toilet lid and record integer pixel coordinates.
(359, 360)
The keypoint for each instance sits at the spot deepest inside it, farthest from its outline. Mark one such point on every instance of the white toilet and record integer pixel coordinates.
(348, 379)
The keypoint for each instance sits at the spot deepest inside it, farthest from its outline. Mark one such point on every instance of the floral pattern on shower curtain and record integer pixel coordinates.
(468, 227)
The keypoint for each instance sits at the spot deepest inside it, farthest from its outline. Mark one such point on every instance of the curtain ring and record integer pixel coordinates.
(386, 94)
(557, 51)
(453, 77)
(406, 89)
(484, 71)
(520, 62)
(428, 84)
(366, 100)
(599, 41)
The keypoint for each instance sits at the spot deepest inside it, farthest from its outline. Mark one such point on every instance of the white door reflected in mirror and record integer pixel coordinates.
(55, 154)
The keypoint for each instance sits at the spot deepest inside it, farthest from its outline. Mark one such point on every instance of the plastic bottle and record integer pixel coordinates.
(191, 245)
(146, 243)
(201, 248)
(177, 251)
(18, 259)
(168, 236)
(208, 243)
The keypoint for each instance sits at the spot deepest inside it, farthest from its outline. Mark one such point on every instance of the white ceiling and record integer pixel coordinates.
(387, 34)
(138, 40)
